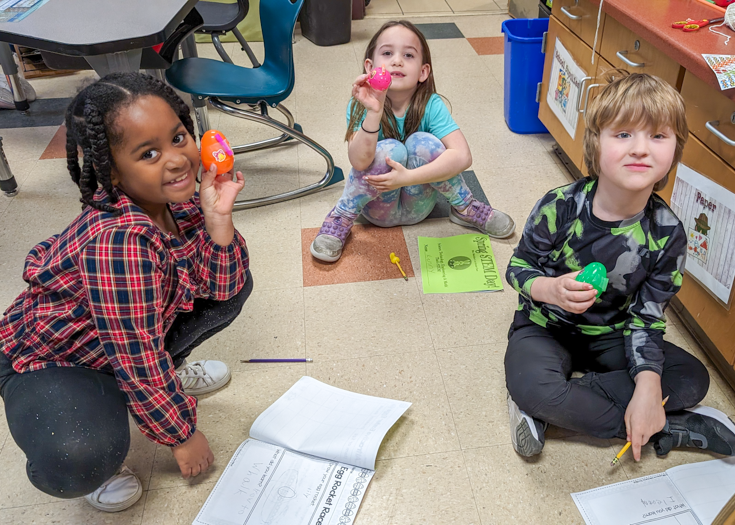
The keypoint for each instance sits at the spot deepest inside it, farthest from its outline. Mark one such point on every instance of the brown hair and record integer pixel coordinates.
(634, 99)
(420, 98)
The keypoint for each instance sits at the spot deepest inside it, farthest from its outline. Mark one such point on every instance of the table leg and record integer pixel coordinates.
(7, 182)
(11, 72)
(115, 62)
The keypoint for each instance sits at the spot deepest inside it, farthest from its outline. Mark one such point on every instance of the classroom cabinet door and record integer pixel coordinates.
(580, 16)
(569, 83)
(714, 320)
(624, 49)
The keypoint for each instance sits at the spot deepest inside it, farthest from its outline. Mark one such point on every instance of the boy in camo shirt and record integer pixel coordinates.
(636, 131)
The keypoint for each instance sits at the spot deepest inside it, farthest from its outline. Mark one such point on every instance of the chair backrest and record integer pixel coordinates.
(277, 21)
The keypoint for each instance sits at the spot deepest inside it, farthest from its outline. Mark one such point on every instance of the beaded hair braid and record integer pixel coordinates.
(90, 124)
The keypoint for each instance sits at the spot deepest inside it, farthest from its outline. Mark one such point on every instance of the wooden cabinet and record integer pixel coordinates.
(582, 54)
(623, 49)
(580, 17)
(717, 323)
(577, 36)
(706, 106)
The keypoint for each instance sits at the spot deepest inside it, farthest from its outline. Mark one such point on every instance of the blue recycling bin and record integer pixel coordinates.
(524, 68)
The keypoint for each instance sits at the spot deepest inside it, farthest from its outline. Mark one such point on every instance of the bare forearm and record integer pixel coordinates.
(220, 229)
(361, 150)
(541, 289)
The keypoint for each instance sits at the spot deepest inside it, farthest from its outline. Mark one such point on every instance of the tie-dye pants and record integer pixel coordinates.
(402, 206)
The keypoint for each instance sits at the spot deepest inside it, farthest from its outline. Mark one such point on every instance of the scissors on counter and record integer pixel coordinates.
(690, 24)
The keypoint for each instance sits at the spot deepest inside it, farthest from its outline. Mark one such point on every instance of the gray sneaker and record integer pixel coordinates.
(485, 218)
(526, 433)
(331, 239)
(118, 493)
(700, 427)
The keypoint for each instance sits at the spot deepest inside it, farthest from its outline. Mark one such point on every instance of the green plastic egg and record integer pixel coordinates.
(596, 275)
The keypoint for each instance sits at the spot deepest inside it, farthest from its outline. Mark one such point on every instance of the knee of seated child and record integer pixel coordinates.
(73, 470)
(424, 146)
(387, 148)
(533, 395)
(695, 386)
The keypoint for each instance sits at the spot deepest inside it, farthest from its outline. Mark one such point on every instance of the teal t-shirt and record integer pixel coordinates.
(436, 120)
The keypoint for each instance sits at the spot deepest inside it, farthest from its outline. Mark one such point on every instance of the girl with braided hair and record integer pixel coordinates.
(117, 301)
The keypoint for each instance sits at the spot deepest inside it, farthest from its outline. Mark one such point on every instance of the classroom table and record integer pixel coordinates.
(109, 34)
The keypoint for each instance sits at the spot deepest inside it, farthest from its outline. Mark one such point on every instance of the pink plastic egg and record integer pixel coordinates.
(380, 79)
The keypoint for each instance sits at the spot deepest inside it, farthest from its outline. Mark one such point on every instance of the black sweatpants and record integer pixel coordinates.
(72, 422)
(539, 363)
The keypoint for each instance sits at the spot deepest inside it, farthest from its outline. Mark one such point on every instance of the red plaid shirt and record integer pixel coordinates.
(103, 294)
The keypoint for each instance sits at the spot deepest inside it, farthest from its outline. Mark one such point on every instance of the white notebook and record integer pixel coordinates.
(310, 459)
(690, 494)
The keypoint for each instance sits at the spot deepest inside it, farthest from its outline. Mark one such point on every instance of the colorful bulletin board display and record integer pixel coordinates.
(564, 88)
(707, 211)
(463, 263)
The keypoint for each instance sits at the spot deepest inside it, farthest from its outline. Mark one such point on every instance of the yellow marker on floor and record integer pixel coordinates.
(627, 445)
(395, 260)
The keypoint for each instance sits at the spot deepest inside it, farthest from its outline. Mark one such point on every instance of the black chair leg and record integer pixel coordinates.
(245, 47)
(221, 50)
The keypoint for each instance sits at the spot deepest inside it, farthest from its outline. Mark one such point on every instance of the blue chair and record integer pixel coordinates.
(223, 84)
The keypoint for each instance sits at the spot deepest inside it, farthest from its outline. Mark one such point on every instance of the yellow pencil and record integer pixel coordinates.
(627, 445)
(395, 260)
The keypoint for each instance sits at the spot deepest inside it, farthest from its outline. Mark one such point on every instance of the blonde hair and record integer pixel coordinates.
(639, 100)
(420, 98)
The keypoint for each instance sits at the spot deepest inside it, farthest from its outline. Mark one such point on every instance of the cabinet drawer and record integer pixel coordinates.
(580, 16)
(581, 54)
(717, 322)
(706, 105)
(618, 41)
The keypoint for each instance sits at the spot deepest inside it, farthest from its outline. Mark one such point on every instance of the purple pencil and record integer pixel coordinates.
(307, 360)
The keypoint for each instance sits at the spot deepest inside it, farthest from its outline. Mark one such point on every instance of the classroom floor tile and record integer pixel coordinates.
(536, 490)
(428, 425)
(56, 149)
(366, 257)
(43, 112)
(425, 489)
(449, 459)
(435, 31)
(490, 45)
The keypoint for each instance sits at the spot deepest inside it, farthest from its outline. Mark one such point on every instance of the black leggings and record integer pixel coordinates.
(539, 364)
(72, 422)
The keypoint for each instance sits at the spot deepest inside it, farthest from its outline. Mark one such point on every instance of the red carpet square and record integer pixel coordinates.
(488, 45)
(366, 257)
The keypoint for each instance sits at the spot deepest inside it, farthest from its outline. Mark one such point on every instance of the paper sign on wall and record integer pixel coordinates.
(564, 85)
(707, 211)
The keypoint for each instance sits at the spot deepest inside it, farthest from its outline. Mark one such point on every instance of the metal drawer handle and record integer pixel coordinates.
(587, 96)
(570, 15)
(717, 133)
(621, 56)
(579, 93)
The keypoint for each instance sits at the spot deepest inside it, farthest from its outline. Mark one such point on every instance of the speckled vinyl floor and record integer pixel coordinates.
(449, 459)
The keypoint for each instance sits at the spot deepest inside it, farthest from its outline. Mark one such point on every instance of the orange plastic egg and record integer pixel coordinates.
(215, 149)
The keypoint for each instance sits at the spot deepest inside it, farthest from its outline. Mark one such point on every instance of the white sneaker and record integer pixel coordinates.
(118, 493)
(526, 433)
(203, 377)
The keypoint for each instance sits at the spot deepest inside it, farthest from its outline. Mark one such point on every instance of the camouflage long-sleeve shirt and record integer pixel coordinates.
(644, 257)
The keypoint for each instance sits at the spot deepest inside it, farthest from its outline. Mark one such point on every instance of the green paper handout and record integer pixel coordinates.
(463, 263)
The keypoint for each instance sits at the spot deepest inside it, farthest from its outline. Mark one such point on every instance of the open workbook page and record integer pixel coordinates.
(328, 422)
(310, 460)
(690, 494)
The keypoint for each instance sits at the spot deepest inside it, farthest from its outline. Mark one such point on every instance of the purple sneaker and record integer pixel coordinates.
(329, 242)
(485, 218)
